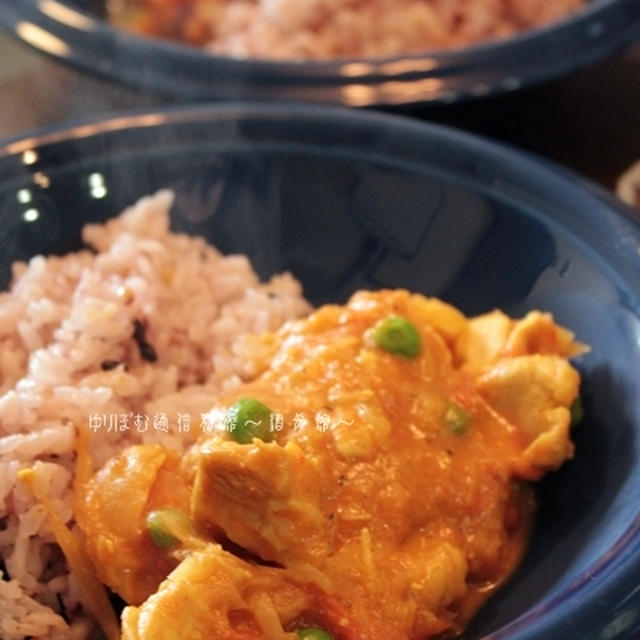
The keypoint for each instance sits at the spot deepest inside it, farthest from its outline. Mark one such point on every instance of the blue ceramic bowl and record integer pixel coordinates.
(73, 31)
(348, 199)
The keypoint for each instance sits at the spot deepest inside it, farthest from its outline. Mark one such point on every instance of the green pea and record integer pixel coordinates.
(167, 526)
(249, 418)
(577, 411)
(398, 336)
(457, 419)
(313, 634)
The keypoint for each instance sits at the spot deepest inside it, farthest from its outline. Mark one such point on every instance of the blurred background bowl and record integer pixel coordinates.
(410, 205)
(75, 31)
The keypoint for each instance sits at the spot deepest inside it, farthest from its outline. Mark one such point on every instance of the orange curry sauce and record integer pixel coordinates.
(382, 520)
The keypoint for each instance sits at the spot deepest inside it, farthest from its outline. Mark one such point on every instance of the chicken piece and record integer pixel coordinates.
(437, 576)
(214, 594)
(521, 370)
(535, 393)
(492, 336)
(255, 492)
(538, 333)
(112, 516)
(199, 599)
(482, 340)
(448, 321)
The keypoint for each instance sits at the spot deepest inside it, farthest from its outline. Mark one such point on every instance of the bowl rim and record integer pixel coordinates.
(66, 32)
(617, 237)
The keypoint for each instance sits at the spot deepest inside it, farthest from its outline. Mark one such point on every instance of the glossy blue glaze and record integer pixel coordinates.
(349, 199)
(73, 31)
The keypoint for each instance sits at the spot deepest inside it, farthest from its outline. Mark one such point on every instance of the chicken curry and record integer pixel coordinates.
(370, 480)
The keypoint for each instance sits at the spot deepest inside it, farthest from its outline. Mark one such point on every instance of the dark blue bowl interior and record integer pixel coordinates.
(348, 200)
(76, 32)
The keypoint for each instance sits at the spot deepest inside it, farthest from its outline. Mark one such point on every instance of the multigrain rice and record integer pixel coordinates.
(321, 29)
(69, 360)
